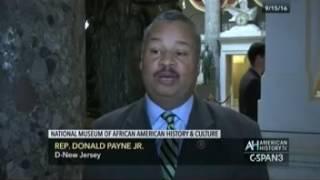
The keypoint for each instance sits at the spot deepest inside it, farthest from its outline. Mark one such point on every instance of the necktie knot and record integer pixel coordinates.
(168, 117)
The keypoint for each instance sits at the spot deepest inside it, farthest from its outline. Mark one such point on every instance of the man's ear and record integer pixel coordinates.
(258, 61)
(198, 67)
(141, 58)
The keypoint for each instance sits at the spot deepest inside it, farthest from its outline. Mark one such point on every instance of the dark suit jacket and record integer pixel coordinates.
(250, 94)
(203, 116)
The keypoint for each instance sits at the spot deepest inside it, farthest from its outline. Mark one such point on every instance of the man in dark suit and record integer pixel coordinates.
(169, 66)
(250, 84)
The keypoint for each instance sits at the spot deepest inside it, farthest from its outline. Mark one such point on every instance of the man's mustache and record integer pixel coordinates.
(166, 71)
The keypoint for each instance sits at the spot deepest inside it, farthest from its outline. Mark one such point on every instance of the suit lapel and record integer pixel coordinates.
(137, 119)
(200, 117)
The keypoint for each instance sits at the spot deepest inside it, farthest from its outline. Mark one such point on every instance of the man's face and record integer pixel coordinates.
(261, 63)
(169, 60)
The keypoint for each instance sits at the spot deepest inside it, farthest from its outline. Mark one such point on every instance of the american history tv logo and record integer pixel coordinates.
(267, 150)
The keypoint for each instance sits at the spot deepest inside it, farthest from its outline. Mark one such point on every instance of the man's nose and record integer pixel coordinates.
(167, 59)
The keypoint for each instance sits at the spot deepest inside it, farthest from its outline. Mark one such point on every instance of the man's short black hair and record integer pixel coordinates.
(175, 15)
(256, 49)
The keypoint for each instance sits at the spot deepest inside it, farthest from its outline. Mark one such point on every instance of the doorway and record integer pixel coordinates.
(237, 65)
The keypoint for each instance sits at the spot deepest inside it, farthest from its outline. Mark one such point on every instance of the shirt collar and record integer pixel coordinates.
(154, 111)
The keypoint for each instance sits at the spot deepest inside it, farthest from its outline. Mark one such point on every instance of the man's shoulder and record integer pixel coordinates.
(116, 118)
(233, 124)
(250, 76)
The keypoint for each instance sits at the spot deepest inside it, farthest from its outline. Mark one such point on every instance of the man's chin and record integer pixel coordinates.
(166, 94)
(161, 91)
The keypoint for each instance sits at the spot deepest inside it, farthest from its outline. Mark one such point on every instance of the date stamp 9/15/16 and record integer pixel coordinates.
(276, 8)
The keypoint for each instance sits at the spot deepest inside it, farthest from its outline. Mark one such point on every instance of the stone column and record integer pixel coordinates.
(212, 32)
(42, 83)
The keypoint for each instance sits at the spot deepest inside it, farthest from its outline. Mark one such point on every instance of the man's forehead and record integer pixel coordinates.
(156, 31)
(155, 39)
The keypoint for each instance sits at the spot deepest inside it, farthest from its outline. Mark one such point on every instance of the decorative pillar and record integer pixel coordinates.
(42, 83)
(212, 31)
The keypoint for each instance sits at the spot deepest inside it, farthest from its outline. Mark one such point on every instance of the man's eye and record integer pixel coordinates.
(154, 51)
(180, 53)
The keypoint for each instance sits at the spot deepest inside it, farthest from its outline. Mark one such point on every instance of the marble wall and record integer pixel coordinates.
(286, 109)
(42, 82)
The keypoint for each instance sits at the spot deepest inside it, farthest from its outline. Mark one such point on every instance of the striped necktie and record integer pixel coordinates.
(169, 150)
